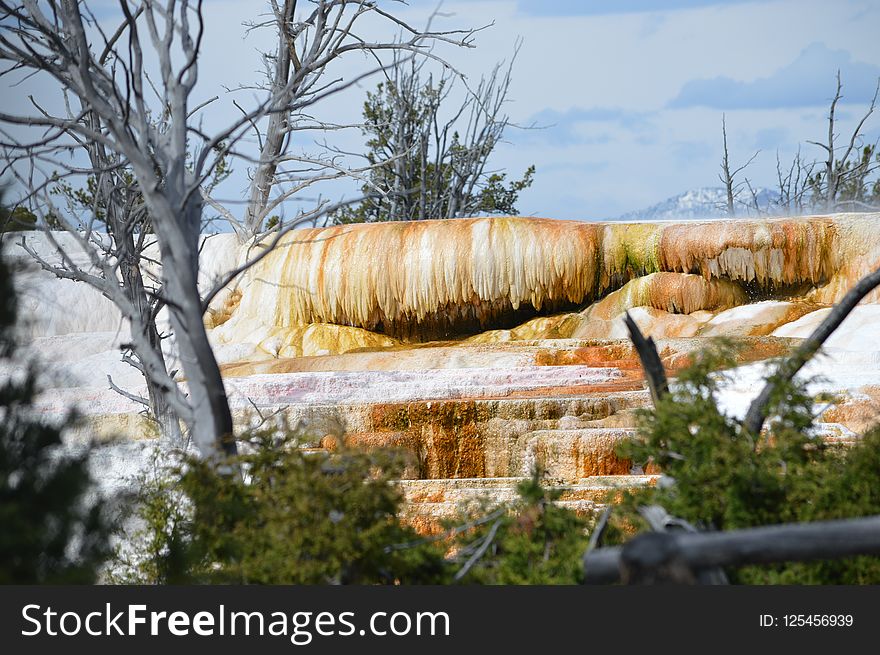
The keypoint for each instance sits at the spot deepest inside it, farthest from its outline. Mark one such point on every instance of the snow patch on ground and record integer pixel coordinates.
(849, 361)
(860, 331)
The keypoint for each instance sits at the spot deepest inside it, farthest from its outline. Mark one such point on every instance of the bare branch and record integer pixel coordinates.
(786, 371)
(650, 359)
(484, 546)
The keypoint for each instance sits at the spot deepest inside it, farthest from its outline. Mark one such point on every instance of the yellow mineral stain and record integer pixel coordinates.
(298, 341)
(218, 316)
(675, 293)
(859, 411)
(425, 280)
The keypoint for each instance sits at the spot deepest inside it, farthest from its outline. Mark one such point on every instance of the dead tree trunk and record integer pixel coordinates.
(732, 188)
(127, 225)
(646, 349)
(211, 419)
(757, 414)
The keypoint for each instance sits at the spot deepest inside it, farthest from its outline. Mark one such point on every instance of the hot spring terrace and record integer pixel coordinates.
(481, 347)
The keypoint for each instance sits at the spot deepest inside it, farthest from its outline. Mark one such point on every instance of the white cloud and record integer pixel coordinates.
(591, 165)
(806, 81)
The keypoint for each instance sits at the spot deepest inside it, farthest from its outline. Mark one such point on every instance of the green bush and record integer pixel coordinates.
(300, 517)
(532, 541)
(293, 517)
(723, 478)
(17, 220)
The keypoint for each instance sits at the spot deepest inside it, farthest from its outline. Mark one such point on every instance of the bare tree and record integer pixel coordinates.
(842, 181)
(793, 184)
(297, 79)
(118, 272)
(728, 177)
(106, 82)
(827, 184)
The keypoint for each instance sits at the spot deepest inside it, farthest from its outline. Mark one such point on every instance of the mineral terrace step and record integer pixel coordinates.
(403, 386)
(618, 481)
(427, 492)
(540, 409)
(617, 353)
(428, 503)
(487, 438)
(574, 454)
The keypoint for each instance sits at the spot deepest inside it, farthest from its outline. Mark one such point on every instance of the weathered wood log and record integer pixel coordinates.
(654, 558)
(637, 567)
(796, 542)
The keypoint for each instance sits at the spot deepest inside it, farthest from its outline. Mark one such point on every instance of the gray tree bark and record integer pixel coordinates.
(674, 557)
(172, 160)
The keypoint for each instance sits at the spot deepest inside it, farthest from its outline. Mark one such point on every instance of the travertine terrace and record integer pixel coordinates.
(484, 346)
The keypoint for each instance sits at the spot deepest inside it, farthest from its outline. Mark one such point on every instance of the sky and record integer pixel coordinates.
(624, 98)
(633, 91)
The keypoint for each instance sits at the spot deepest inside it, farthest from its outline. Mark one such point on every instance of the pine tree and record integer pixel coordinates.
(427, 167)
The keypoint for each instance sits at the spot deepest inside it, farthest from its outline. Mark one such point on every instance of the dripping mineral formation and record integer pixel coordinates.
(484, 346)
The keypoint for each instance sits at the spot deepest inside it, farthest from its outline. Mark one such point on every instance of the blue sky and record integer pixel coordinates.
(628, 94)
(592, 8)
(633, 92)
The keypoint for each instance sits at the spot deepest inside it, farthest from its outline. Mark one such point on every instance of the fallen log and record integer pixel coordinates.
(668, 557)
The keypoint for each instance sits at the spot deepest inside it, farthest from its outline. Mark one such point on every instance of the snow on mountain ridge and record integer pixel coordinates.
(703, 202)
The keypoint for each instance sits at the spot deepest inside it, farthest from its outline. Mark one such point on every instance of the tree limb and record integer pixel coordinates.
(757, 413)
(650, 359)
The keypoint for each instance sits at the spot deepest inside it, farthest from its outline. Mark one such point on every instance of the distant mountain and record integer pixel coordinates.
(706, 202)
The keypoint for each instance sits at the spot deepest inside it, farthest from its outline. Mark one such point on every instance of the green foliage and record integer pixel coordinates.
(17, 220)
(420, 172)
(294, 518)
(53, 532)
(534, 541)
(857, 190)
(88, 206)
(300, 517)
(495, 198)
(91, 203)
(724, 478)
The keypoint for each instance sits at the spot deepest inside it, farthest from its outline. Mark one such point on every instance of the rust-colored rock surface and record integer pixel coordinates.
(482, 348)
